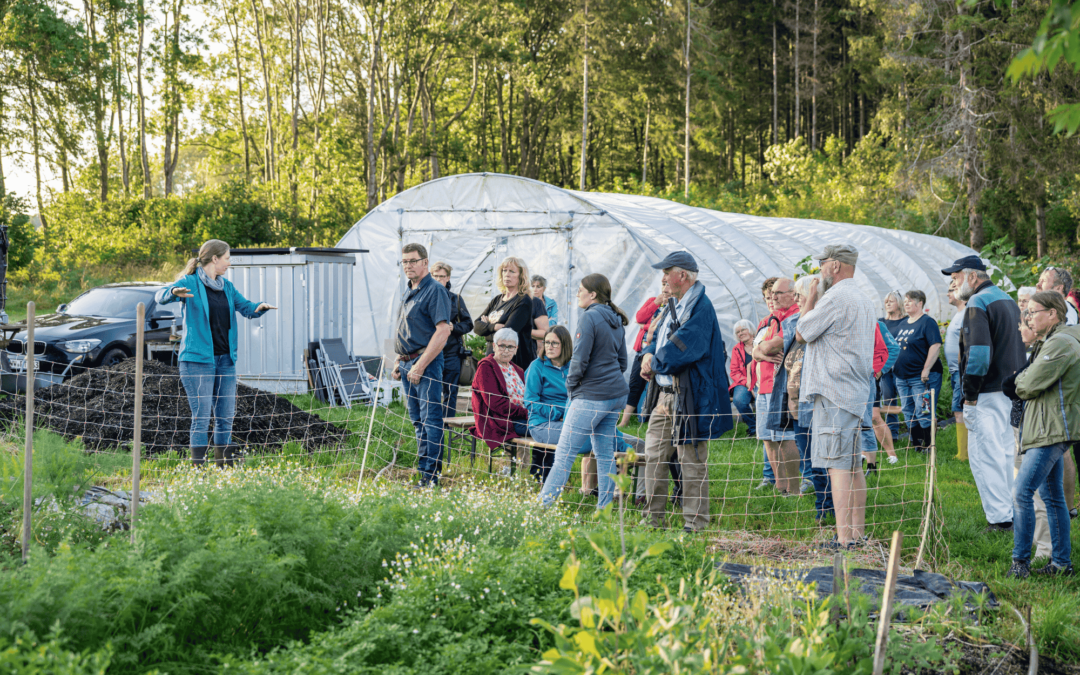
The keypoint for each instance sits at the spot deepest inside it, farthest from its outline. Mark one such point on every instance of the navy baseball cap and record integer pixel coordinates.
(681, 259)
(971, 262)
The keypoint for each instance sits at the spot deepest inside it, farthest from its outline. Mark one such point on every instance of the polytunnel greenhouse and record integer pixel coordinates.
(473, 221)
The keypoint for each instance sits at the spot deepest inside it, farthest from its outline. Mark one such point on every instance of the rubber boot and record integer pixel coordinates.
(219, 456)
(961, 442)
(198, 456)
(232, 455)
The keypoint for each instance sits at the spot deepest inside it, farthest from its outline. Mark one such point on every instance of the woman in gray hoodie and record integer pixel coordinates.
(597, 390)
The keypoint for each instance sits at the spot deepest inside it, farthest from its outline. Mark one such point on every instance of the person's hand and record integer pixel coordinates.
(182, 292)
(812, 295)
(264, 307)
(484, 318)
(500, 326)
(925, 375)
(772, 358)
(395, 374)
(971, 403)
(646, 367)
(415, 373)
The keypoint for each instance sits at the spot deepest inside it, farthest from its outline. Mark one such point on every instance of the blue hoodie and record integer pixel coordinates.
(596, 371)
(198, 345)
(545, 392)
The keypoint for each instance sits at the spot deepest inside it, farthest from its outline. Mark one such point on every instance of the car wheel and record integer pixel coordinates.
(112, 357)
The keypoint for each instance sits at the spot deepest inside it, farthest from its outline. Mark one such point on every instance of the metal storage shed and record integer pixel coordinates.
(313, 291)
(472, 221)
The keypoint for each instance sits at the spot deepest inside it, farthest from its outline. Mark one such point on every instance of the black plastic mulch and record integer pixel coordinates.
(99, 407)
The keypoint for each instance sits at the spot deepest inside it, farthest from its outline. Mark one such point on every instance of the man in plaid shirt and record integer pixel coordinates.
(837, 325)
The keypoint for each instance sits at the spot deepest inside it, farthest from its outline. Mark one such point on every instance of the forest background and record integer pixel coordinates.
(261, 122)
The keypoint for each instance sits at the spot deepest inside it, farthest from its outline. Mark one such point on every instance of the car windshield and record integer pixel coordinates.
(118, 303)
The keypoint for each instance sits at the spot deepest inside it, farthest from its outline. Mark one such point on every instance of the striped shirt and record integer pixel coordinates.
(839, 333)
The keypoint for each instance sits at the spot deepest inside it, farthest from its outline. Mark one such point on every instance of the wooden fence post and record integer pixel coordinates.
(136, 445)
(887, 602)
(28, 458)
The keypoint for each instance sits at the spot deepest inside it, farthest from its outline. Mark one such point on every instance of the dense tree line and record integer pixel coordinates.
(323, 108)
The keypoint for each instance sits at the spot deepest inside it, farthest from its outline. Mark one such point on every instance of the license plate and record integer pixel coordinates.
(18, 364)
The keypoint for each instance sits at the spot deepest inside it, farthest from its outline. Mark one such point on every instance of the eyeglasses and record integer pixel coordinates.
(779, 293)
(1029, 312)
(552, 343)
(414, 261)
(441, 276)
(506, 348)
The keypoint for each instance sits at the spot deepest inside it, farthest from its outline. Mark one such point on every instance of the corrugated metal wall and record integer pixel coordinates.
(313, 294)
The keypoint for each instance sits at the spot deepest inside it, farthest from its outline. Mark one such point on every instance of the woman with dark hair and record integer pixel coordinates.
(918, 368)
(511, 308)
(596, 387)
(208, 349)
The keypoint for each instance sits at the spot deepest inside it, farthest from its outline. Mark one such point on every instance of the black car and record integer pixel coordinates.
(95, 329)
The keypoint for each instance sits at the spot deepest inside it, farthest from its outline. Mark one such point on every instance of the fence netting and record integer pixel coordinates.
(377, 439)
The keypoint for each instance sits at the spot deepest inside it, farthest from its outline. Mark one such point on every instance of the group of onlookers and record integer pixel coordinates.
(820, 381)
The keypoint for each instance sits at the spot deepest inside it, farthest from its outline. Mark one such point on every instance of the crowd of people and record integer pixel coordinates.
(821, 381)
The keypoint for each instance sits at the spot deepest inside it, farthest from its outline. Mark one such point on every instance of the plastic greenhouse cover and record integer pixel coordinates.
(473, 221)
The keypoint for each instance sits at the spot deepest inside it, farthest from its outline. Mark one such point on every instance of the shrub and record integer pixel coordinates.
(26, 655)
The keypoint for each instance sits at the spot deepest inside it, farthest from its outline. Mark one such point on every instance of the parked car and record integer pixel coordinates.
(95, 329)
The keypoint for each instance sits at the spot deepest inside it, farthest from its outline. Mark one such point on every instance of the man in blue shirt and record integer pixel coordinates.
(422, 329)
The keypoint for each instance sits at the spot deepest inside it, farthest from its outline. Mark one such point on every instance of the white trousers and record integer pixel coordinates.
(991, 453)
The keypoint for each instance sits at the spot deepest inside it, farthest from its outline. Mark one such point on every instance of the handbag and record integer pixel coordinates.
(468, 371)
(787, 422)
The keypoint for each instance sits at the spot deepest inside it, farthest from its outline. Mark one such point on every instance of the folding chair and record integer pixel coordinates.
(348, 378)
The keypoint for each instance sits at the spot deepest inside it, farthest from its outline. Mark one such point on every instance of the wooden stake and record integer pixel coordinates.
(136, 445)
(28, 457)
(371, 424)
(887, 602)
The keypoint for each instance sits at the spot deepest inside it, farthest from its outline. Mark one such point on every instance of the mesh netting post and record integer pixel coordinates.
(371, 423)
(136, 442)
(28, 460)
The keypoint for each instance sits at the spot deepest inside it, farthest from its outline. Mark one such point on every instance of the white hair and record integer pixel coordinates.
(743, 323)
(692, 276)
(802, 284)
(505, 334)
(981, 275)
(1026, 292)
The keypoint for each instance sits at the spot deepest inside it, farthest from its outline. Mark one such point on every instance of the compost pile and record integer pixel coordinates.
(99, 406)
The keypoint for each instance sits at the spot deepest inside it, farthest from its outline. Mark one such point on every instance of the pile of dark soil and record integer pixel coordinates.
(99, 407)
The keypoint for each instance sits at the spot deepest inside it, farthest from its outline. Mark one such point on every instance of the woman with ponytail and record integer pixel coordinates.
(597, 390)
(208, 349)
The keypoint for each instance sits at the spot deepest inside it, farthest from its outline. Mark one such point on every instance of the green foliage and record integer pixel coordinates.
(1021, 272)
(24, 654)
(476, 344)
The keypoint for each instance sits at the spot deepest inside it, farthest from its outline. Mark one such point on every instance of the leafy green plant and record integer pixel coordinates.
(1003, 264)
(24, 654)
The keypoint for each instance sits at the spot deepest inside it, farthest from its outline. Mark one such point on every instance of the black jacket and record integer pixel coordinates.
(461, 324)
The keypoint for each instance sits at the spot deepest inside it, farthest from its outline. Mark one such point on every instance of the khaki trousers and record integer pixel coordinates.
(695, 472)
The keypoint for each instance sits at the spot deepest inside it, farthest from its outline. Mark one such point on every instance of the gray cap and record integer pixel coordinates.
(844, 253)
(681, 259)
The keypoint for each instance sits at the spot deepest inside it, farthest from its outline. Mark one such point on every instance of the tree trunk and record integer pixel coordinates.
(372, 185)
(144, 155)
(173, 102)
(813, 84)
(798, 101)
(775, 75)
(125, 165)
(645, 152)
(686, 140)
(234, 33)
(269, 146)
(294, 160)
(1040, 228)
(585, 103)
(36, 139)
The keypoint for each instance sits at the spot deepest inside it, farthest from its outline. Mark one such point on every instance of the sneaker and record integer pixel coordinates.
(999, 527)
(764, 484)
(1072, 514)
(1052, 570)
(870, 468)
(807, 486)
(1018, 570)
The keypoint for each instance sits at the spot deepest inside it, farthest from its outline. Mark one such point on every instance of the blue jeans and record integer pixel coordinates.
(424, 401)
(957, 392)
(867, 437)
(742, 398)
(1043, 470)
(210, 388)
(594, 420)
(888, 398)
(802, 442)
(910, 390)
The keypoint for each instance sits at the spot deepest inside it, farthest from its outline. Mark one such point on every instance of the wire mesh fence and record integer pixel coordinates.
(482, 438)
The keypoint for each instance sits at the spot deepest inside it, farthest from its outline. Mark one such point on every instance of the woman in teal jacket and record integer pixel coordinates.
(208, 349)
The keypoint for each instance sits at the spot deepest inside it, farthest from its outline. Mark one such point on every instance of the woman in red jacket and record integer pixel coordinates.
(646, 317)
(498, 393)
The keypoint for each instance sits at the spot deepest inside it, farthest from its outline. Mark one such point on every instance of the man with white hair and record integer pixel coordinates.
(1058, 279)
(991, 350)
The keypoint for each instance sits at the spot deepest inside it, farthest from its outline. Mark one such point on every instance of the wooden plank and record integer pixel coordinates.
(887, 603)
(460, 422)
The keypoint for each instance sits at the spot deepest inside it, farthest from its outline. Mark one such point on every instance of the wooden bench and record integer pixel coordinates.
(460, 427)
(525, 444)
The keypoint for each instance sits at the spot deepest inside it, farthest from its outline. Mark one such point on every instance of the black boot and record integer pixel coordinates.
(219, 456)
(924, 439)
(232, 455)
(198, 456)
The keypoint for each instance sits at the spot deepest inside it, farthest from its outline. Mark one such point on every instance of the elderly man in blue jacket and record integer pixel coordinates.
(688, 393)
